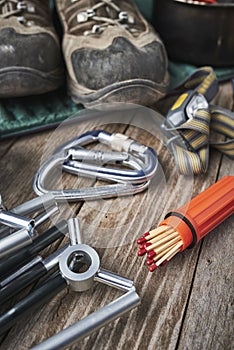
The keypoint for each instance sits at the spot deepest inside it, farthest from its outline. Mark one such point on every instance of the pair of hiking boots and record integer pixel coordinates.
(110, 51)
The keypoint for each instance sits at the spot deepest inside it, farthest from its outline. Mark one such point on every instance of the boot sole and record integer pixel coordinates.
(138, 91)
(23, 81)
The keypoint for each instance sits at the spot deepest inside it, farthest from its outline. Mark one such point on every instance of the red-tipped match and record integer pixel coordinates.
(153, 267)
(149, 262)
(146, 234)
(142, 252)
(148, 244)
(141, 246)
(141, 240)
(164, 263)
(151, 254)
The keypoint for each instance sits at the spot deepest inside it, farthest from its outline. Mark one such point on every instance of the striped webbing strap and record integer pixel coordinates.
(193, 155)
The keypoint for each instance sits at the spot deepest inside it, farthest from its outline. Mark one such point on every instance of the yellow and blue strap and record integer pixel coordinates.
(192, 154)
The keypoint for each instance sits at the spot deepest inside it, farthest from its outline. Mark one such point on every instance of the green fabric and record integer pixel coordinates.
(34, 113)
(179, 72)
(146, 8)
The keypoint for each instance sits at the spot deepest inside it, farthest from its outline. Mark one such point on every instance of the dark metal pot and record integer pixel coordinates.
(196, 33)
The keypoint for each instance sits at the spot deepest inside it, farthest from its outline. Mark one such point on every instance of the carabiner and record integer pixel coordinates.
(75, 159)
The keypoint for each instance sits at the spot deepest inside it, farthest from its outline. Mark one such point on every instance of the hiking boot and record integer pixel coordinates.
(30, 58)
(112, 54)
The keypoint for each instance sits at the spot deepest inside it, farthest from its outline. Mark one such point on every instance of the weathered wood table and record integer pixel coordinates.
(185, 305)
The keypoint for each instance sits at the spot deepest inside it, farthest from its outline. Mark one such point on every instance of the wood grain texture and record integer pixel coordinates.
(185, 305)
(209, 319)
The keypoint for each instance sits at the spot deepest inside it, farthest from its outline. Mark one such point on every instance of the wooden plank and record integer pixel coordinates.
(224, 97)
(112, 226)
(156, 323)
(25, 173)
(209, 318)
(24, 157)
(5, 146)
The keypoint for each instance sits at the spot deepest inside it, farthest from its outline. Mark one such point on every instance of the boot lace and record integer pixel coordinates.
(123, 18)
(16, 8)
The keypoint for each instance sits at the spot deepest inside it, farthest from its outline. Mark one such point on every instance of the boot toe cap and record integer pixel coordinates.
(121, 61)
(37, 51)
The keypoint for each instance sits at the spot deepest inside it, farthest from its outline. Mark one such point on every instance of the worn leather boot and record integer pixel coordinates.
(30, 58)
(111, 52)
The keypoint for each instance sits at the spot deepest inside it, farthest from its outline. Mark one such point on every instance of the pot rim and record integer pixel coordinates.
(204, 5)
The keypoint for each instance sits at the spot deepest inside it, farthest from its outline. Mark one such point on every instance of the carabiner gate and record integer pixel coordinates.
(75, 159)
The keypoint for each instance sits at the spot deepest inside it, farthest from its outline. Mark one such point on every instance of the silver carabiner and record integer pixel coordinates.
(75, 159)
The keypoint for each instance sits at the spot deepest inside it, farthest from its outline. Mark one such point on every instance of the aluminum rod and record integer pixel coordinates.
(21, 271)
(113, 280)
(91, 323)
(14, 242)
(75, 234)
(46, 215)
(24, 255)
(34, 205)
(15, 220)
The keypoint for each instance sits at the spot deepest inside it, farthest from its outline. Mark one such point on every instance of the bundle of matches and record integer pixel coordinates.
(186, 226)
